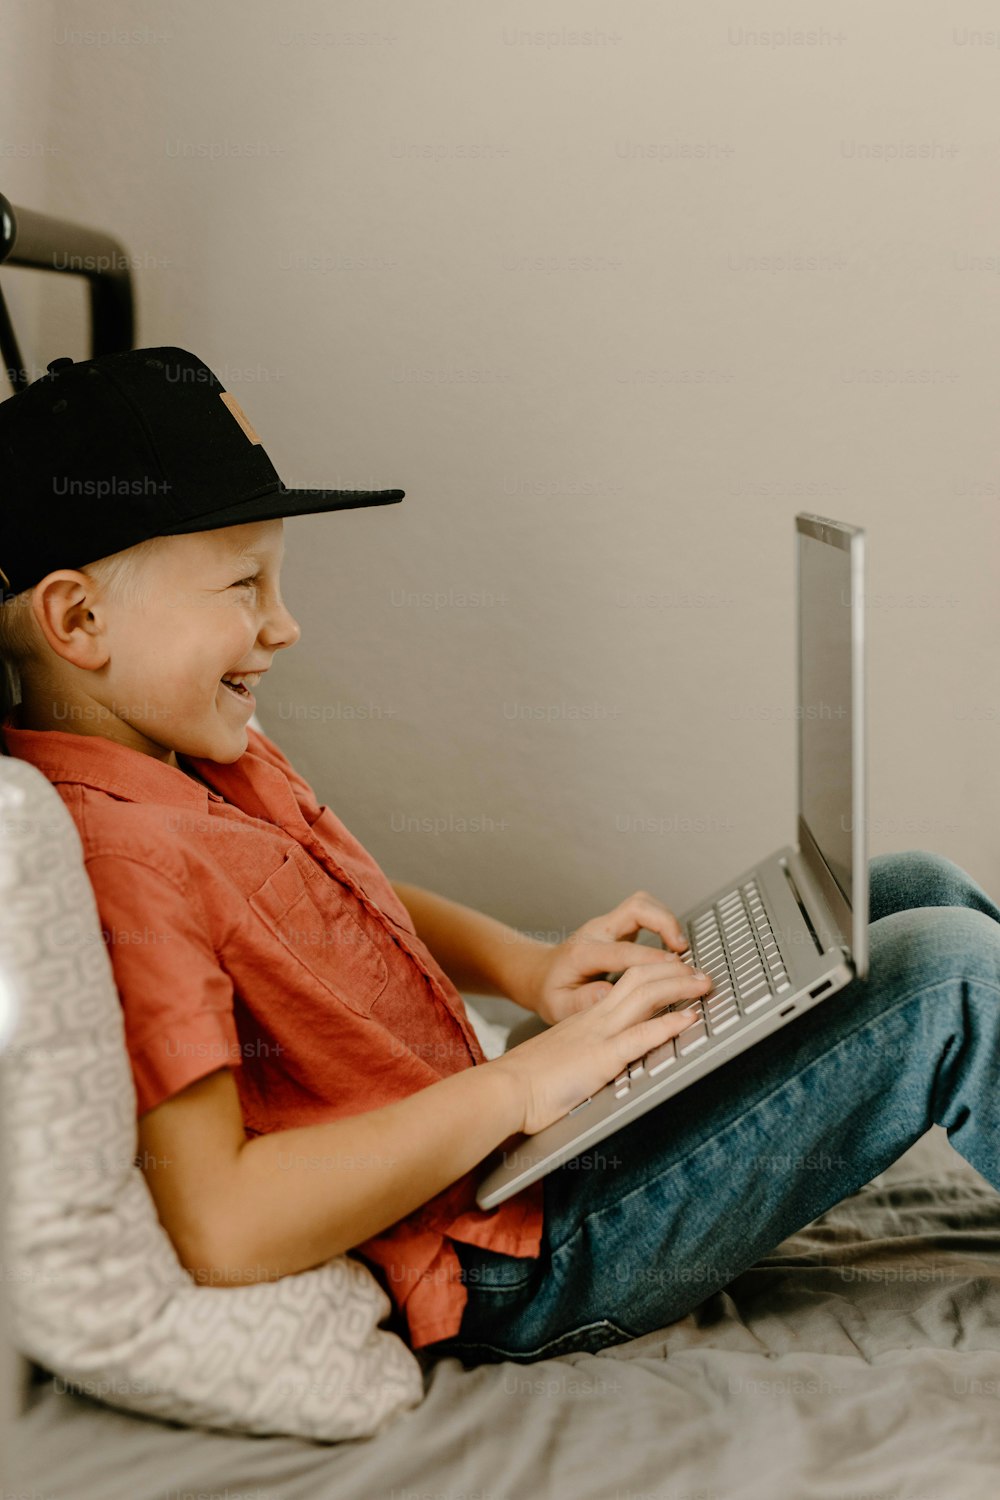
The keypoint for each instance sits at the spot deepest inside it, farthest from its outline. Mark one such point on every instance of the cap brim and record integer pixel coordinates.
(281, 502)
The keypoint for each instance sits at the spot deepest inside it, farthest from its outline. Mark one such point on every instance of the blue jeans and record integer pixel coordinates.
(674, 1205)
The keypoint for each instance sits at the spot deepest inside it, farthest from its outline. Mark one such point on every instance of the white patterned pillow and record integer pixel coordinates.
(98, 1295)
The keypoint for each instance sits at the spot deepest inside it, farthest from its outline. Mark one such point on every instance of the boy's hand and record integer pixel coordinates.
(566, 977)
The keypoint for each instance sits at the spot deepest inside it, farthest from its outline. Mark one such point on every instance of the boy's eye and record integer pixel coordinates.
(243, 581)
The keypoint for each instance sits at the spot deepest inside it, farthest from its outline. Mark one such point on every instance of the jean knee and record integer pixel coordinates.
(923, 946)
(913, 877)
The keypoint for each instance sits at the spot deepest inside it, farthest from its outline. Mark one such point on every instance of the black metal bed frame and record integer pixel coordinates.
(28, 238)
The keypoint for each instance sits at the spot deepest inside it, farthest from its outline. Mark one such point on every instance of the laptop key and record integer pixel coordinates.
(660, 1057)
(683, 1006)
(693, 1037)
(715, 1005)
(729, 1019)
(721, 995)
(722, 1020)
(720, 998)
(741, 950)
(749, 983)
(743, 953)
(751, 980)
(750, 962)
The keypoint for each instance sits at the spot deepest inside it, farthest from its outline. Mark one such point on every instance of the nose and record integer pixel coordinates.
(282, 629)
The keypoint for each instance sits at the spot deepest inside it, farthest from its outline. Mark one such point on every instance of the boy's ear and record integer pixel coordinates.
(61, 604)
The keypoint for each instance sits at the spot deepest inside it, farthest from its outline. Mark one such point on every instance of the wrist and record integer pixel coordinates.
(523, 962)
(511, 1083)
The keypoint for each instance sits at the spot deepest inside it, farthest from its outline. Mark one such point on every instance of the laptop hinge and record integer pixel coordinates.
(810, 901)
(802, 908)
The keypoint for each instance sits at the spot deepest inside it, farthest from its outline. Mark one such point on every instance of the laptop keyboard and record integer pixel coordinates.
(733, 943)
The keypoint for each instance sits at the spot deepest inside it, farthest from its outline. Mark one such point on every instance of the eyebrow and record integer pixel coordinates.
(240, 557)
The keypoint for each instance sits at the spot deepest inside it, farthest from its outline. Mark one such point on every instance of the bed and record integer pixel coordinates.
(861, 1359)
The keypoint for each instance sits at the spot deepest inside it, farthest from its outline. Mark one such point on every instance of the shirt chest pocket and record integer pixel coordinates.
(319, 931)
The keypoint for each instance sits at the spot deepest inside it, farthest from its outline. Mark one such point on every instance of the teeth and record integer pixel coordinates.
(245, 679)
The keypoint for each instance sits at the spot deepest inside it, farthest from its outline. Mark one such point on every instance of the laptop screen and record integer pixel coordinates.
(827, 768)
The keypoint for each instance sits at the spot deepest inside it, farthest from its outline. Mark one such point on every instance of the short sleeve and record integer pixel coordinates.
(176, 997)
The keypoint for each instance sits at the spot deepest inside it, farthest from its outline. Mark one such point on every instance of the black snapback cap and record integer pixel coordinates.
(100, 454)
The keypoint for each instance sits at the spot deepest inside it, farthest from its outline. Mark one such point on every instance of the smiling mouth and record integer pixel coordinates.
(238, 691)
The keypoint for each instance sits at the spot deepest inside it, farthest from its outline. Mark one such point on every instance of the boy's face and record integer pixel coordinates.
(149, 674)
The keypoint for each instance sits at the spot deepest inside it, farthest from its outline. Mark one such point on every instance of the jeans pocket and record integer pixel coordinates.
(491, 1271)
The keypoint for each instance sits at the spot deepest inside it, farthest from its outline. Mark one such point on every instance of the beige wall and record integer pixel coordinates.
(610, 313)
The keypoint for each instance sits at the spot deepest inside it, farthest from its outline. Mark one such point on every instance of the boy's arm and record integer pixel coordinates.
(480, 955)
(242, 1211)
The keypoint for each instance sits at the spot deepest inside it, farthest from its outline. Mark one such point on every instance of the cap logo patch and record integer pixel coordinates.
(234, 406)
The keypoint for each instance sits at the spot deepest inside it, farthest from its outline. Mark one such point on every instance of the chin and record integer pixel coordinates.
(227, 760)
(221, 758)
(218, 748)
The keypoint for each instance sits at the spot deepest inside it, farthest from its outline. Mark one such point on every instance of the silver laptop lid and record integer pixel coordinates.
(832, 827)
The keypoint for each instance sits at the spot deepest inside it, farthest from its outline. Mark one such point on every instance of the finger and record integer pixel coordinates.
(672, 1024)
(589, 994)
(635, 912)
(662, 984)
(608, 957)
(622, 955)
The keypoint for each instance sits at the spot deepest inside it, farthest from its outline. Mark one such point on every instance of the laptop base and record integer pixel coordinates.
(812, 959)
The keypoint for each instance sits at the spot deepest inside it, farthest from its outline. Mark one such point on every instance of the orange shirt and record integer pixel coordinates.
(247, 928)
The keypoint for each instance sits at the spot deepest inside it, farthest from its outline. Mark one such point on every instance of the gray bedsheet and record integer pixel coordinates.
(860, 1361)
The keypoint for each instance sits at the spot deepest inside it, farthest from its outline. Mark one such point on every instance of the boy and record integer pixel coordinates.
(308, 1082)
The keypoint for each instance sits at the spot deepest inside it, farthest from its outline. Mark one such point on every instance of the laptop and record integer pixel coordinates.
(792, 930)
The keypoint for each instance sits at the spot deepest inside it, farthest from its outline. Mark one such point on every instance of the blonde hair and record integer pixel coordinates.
(22, 646)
